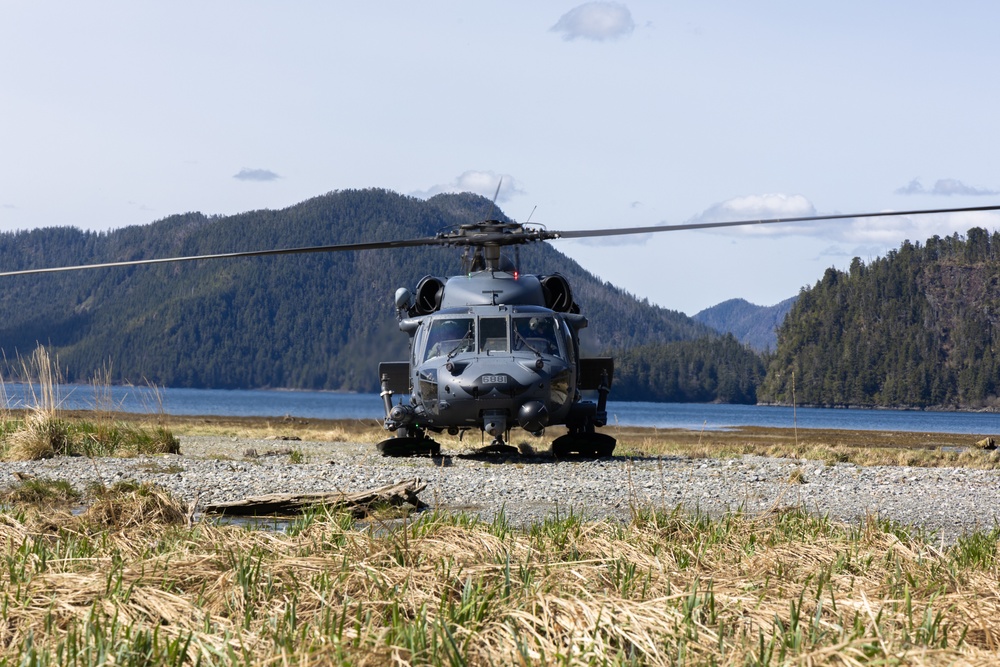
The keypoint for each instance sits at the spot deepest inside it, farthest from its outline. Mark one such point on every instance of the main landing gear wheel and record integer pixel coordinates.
(408, 446)
(583, 445)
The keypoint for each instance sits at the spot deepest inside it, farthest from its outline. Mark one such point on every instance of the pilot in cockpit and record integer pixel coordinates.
(449, 336)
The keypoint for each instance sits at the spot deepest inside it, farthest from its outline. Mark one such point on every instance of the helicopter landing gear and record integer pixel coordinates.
(583, 445)
(495, 423)
(411, 442)
(499, 448)
(582, 440)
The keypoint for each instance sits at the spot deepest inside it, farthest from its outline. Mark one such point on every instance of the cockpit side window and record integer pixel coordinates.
(568, 340)
(417, 345)
(536, 333)
(448, 336)
(493, 334)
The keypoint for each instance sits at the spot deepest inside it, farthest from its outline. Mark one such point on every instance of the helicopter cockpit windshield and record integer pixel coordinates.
(536, 333)
(448, 337)
(493, 334)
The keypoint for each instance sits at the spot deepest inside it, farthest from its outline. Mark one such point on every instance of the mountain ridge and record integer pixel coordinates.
(753, 325)
(317, 321)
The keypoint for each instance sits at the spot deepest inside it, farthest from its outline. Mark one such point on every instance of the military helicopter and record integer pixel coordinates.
(493, 348)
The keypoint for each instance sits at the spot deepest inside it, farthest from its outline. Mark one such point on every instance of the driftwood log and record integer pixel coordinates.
(404, 493)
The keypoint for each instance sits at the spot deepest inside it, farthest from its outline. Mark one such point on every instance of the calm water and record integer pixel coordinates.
(329, 405)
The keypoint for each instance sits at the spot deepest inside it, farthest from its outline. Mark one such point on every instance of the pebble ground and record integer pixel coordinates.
(947, 501)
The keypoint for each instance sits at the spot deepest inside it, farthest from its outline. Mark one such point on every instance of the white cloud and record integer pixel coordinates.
(885, 231)
(888, 232)
(751, 207)
(945, 187)
(480, 182)
(914, 187)
(759, 207)
(921, 228)
(246, 174)
(598, 21)
(756, 207)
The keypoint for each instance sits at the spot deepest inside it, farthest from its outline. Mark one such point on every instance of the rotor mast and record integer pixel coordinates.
(484, 241)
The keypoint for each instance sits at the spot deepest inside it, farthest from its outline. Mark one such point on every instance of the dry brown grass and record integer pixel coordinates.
(319, 430)
(832, 446)
(40, 436)
(128, 505)
(32, 435)
(784, 588)
(42, 430)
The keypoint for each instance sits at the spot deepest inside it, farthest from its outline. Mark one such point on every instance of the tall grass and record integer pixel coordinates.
(40, 432)
(667, 588)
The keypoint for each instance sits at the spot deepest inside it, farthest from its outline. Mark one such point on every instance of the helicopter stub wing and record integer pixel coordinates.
(594, 371)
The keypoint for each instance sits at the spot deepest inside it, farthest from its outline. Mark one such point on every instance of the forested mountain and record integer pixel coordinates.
(706, 370)
(319, 321)
(919, 327)
(753, 325)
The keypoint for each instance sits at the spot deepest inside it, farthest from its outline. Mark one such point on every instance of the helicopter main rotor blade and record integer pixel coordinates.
(589, 233)
(373, 245)
(489, 237)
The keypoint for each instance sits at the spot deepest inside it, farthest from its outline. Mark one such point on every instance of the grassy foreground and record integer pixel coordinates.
(134, 583)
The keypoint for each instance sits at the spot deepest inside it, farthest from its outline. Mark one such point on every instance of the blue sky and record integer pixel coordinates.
(599, 114)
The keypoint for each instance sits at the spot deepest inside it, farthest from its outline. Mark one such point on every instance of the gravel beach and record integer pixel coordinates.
(949, 501)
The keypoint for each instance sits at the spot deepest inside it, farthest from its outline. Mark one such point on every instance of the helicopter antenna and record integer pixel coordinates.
(531, 214)
(496, 195)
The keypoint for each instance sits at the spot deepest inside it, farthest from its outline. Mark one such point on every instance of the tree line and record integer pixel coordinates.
(917, 328)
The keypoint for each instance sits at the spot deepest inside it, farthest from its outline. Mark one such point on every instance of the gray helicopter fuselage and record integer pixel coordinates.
(493, 356)
(489, 288)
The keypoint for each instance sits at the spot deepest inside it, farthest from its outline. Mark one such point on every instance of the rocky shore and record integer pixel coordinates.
(949, 501)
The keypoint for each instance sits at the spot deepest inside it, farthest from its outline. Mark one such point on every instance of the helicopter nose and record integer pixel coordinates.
(533, 416)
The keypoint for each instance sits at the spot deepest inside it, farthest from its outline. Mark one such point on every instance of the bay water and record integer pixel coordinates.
(334, 405)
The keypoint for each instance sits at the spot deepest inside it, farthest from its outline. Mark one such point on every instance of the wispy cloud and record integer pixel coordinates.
(597, 21)
(246, 174)
(760, 207)
(868, 233)
(945, 187)
(480, 182)
(751, 207)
